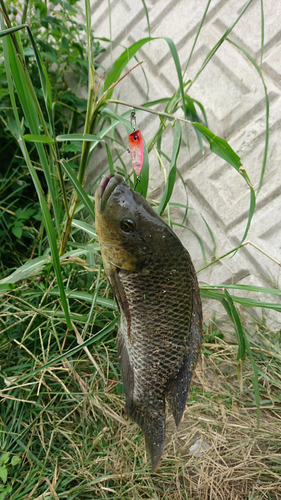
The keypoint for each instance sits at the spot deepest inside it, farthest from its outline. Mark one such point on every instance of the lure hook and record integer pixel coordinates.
(133, 119)
(137, 181)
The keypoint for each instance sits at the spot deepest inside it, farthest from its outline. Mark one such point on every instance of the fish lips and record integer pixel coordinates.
(107, 185)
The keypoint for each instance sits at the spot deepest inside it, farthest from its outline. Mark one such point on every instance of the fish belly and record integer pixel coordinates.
(153, 346)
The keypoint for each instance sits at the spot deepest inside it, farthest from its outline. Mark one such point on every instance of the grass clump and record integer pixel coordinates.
(66, 422)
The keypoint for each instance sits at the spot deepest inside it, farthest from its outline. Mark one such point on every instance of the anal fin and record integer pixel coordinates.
(178, 389)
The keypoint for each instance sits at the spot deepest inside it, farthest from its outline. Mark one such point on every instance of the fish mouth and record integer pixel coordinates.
(107, 185)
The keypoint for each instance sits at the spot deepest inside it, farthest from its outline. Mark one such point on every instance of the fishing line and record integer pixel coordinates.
(134, 138)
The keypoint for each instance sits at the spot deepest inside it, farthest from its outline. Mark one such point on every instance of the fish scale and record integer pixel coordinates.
(155, 285)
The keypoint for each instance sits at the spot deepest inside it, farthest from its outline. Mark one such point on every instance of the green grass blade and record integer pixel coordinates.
(186, 207)
(251, 213)
(27, 99)
(200, 241)
(231, 311)
(173, 169)
(200, 105)
(119, 118)
(248, 288)
(109, 157)
(147, 17)
(124, 58)
(212, 237)
(218, 44)
(243, 301)
(95, 338)
(78, 137)
(193, 116)
(78, 188)
(221, 148)
(243, 345)
(84, 226)
(45, 82)
(197, 35)
(76, 294)
(38, 138)
(30, 268)
(44, 208)
(262, 31)
(267, 109)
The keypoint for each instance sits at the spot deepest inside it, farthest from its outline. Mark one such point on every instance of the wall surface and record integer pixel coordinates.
(232, 93)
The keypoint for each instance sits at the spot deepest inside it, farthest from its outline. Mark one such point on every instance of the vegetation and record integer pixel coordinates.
(63, 430)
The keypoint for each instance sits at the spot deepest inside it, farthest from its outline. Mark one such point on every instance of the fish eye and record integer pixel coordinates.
(128, 225)
(135, 137)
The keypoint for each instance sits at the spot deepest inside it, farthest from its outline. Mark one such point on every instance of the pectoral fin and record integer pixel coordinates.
(120, 295)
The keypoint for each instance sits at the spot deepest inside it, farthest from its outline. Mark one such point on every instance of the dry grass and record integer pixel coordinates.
(74, 441)
(243, 462)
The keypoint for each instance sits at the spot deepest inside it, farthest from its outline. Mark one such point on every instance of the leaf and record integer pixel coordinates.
(219, 146)
(5, 458)
(193, 116)
(78, 137)
(119, 118)
(38, 138)
(17, 231)
(87, 297)
(3, 473)
(15, 460)
(45, 82)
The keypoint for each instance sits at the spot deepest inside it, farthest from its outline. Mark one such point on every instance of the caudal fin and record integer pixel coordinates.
(152, 423)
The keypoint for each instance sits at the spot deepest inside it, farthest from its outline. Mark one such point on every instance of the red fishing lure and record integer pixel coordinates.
(136, 150)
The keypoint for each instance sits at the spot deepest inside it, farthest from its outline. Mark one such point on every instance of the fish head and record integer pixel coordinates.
(129, 231)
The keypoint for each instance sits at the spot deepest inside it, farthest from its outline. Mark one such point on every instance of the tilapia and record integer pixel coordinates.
(155, 285)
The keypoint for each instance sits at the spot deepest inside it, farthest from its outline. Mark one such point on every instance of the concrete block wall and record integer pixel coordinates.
(232, 93)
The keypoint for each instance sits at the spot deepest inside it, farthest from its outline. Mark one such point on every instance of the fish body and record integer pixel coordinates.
(155, 285)
(136, 150)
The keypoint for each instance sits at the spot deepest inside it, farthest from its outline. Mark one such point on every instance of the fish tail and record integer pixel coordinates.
(152, 424)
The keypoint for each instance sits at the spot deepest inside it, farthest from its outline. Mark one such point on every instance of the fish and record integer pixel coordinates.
(136, 150)
(156, 289)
